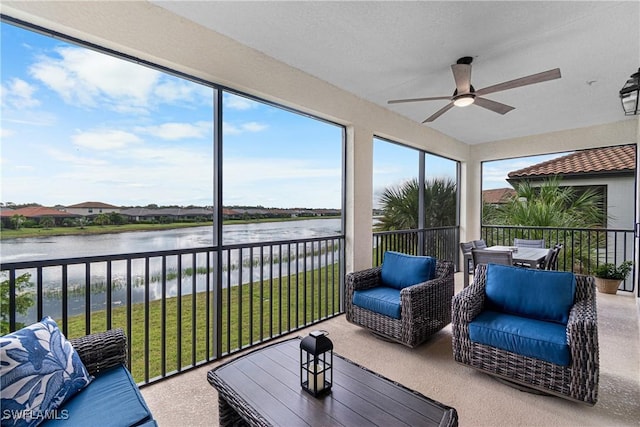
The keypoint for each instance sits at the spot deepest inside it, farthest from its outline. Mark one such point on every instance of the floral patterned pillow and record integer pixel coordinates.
(39, 371)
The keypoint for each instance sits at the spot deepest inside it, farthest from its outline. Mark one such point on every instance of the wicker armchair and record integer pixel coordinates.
(578, 381)
(425, 307)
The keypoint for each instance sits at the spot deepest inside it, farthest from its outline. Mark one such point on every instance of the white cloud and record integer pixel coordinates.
(239, 103)
(281, 182)
(175, 131)
(140, 176)
(65, 157)
(105, 140)
(6, 133)
(244, 170)
(232, 129)
(81, 76)
(171, 91)
(17, 93)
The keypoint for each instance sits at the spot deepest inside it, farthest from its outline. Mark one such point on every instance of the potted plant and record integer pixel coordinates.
(608, 276)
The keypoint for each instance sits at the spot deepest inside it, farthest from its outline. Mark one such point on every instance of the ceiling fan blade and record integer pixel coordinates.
(494, 106)
(522, 81)
(435, 98)
(462, 76)
(439, 113)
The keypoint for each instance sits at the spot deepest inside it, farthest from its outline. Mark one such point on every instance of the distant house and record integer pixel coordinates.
(497, 196)
(92, 208)
(149, 214)
(609, 170)
(36, 213)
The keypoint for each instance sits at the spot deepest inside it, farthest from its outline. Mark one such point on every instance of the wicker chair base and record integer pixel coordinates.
(390, 329)
(521, 387)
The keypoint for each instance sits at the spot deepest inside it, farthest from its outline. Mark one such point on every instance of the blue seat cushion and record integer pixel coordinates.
(112, 399)
(529, 337)
(537, 294)
(402, 270)
(381, 299)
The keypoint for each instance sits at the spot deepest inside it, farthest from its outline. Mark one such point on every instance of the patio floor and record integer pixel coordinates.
(189, 400)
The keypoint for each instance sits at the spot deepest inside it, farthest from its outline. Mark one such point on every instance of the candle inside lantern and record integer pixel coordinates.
(319, 384)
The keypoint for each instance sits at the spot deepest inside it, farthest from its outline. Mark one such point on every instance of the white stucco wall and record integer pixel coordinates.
(620, 202)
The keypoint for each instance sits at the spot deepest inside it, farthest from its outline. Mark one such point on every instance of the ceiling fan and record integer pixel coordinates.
(465, 94)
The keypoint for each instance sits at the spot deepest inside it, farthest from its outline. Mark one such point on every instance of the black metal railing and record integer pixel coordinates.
(182, 308)
(583, 248)
(440, 242)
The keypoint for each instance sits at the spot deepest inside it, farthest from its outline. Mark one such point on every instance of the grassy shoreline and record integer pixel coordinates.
(110, 229)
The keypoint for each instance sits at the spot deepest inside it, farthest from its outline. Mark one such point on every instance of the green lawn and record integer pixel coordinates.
(270, 307)
(8, 233)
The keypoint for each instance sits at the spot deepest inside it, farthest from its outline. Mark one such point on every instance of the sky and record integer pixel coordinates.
(77, 125)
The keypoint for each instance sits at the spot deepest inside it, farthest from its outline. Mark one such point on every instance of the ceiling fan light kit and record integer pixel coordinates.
(464, 100)
(630, 94)
(465, 94)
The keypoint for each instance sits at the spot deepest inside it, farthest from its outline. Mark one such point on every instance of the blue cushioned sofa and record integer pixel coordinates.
(532, 327)
(407, 299)
(112, 398)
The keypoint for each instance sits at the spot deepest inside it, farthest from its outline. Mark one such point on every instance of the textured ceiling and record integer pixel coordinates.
(389, 50)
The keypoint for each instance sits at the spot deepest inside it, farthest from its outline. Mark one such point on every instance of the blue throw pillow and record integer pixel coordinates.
(402, 270)
(537, 294)
(40, 370)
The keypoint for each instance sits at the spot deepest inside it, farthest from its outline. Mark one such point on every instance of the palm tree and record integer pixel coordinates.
(551, 205)
(47, 222)
(400, 205)
(17, 221)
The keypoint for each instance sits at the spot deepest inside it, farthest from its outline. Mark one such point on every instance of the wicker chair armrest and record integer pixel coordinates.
(364, 279)
(468, 303)
(441, 287)
(582, 336)
(359, 280)
(582, 327)
(101, 350)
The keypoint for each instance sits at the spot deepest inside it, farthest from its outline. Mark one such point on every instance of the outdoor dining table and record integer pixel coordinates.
(532, 257)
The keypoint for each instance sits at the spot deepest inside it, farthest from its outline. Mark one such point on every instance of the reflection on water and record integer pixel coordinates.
(237, 265)
(55, 247)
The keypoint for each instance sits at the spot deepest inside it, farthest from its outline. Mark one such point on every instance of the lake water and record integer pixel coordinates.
(235, 266)
(56, 247)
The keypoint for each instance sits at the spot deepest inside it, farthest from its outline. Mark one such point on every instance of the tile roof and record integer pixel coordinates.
(36, 212)
(497, 195)
(93, 205)
(620, 158)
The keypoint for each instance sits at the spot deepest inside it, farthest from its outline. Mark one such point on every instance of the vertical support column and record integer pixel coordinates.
(421, 214)
(359, 199)
(471, 199)
(217, 223)
(636, 277)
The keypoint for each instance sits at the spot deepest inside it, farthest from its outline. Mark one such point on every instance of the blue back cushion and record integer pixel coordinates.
(537, 294)
(402, 270)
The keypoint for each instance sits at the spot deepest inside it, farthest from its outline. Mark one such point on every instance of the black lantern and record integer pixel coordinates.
(316, 362)
(629, 95)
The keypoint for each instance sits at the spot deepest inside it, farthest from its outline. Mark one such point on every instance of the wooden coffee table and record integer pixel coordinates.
(262, 388)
